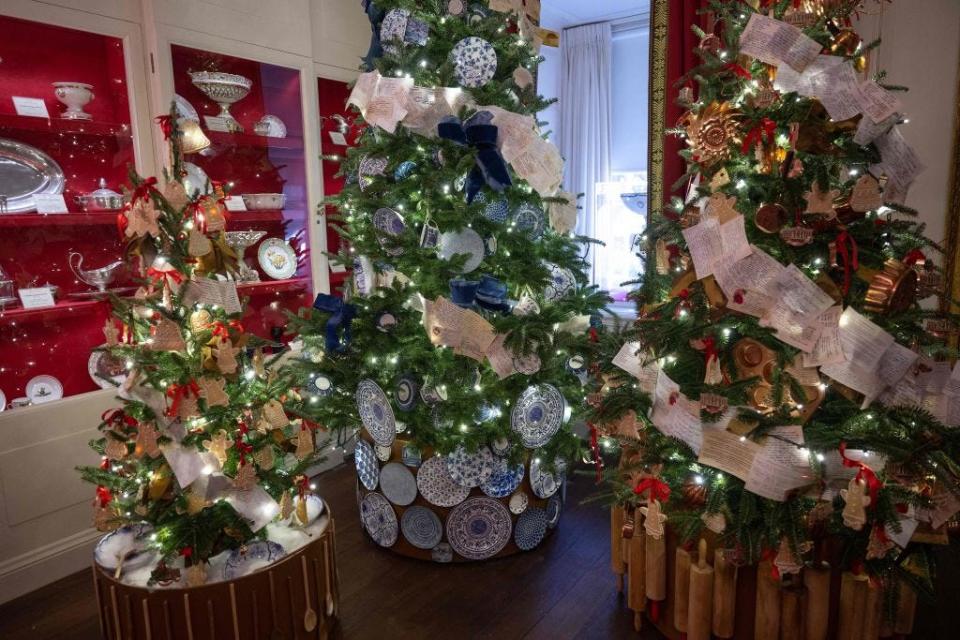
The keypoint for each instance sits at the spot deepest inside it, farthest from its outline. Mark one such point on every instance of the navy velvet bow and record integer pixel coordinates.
(477, 132)
(376, 17)
(338, 334)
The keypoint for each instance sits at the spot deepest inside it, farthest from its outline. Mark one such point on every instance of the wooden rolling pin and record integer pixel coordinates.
(700, 607)
(853, 603)
(681, 588)
(767, 617)
(816, 616)
(791, 609)
(636, 572)
(906, 610)
(724, 595)
(616, 545)
(655, 565)
(874, 612)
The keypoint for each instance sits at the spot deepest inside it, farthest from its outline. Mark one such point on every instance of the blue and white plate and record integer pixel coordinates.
(436, 485)
(376, 412)
(421, 527)
(404, 170)
(530, 529)
(379, 519)
(474, 61)
(530, 220)
(411, 456)
(128, 544)
(366, 460)
(554, 508)
(470, 469)
(364, 275)
(398, 484)
(442, 553)
(504, 480)
(406, 393)
(393, 29)
(479, 528)
(543, 482)
(383, 453)
(390, 224)
(562, 283)
(496, 211)
(519, 503)
(500, 446)
(538, 414)
(467, 242)
(251, 557)
(369, 169)
(417, 32)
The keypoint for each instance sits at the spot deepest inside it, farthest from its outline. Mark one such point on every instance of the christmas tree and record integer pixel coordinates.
(782, 386)
(201, 455)
(467, 323)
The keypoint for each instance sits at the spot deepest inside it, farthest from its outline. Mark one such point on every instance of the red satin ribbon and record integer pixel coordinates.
(242, 447)
(709, 349)
(847, 251)
(166, 125)
(771, 554)
(143, 190)
(118, 418)
(302, 484)
(659, 490)
(914, 257)
(222, 329)
(864, 474)
(594, 335)
(103, 496)
(122, 224)
(157, 275)
(765, 129)
(595, 450)
(738, 70)
(176, 393)
(186, 552)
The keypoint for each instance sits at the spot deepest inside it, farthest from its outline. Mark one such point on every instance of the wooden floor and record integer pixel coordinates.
(562, 590)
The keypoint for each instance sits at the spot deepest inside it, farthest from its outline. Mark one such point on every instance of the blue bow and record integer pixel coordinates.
(477, 132)
(376, 17)
(338, 326)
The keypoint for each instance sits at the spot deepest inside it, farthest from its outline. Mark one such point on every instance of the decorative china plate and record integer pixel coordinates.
(376, 412)
(398, 484)
(474, 62)
(379, 519)
(470, 469)
(277, 259)
(250, 557)
(530, 529)
(436, 485)
(390, 224)
(538, 414)
(367, 469)
(463, 242)
(543, 483)
(106, 370)
(421, 527)
(504, 480)
(479, 528)
(562, 282)
(44, 389)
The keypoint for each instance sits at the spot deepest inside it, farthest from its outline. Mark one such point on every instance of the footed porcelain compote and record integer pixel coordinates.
(224, 89)
(75, 95)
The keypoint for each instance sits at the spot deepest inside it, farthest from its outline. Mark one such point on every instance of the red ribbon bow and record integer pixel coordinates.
(143, 190)
(738, 70)
(659, 490)
(103, 496)
(186, 552)
(158, 275)
(222, 329)
(242, 447)
(847, 252)
(864, 474)
(709, 349)
(117, 418)
(913, 257)
(770, 554)
(166, 125)
(176, 393)
(302, 483)
(765, 129)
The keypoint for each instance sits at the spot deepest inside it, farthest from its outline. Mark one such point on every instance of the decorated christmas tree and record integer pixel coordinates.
(783, 392)
(201, 455)
(465, 332)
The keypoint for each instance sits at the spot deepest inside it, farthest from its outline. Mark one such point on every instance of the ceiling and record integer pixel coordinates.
(560, 14)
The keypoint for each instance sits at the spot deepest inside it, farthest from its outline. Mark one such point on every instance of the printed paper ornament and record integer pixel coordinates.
(146, 443)
(198, 244)
(264, 458)
(218, 445)
(167, 337)
(820, 202)
(305, 446)
(213, 390)
(274, 414)
(653, 519)
(175, 194)
(286, 505)
(856, 499)
(246, 478)
(786, 561)
(867, 194)
(226, 356)
(142, 220)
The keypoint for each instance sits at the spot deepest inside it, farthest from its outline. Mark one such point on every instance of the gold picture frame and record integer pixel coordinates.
(657, 127)
(951, 244)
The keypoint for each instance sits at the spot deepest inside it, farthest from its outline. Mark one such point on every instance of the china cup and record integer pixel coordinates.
(75, 95)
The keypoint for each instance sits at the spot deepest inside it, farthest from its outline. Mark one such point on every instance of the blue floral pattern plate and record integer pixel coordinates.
(538, 414)
(370, 168)
(543, 482)
(504, 480)
(474, 61)
(436, 485)
(463, 242)
(376, 412)
(394, 29)
(390, 225)
(251, 557)
(497, 210)
(470, 469)
(479, 528)
(530, 529)
(366, 460)
(562, 283)
(379, 519)
(530, 219)
(398, 484)
(421, 527)
(554, 508)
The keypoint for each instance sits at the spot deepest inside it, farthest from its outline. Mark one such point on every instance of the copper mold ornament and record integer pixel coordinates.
(892, 290)
(771, 218)
(754, 360)
(711, 132)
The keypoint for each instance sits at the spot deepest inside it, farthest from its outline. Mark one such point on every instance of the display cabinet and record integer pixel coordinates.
(335, 130)
(68, 137)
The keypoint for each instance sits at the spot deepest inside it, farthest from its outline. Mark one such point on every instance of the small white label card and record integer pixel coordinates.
(216, 123)
(50, 203)
(234, 203)
(34, 107)
(37, 298)
(338, 139)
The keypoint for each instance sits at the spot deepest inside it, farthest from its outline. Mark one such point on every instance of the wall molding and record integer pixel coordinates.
(38, 567)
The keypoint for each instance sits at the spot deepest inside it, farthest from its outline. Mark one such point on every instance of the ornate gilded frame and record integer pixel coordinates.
(951, 244)
(659, 20)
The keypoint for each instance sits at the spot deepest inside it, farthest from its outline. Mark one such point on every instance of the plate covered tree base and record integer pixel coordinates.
(464, 507)
(298, 597)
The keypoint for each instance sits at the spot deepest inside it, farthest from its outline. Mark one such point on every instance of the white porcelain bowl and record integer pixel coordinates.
(261, 201)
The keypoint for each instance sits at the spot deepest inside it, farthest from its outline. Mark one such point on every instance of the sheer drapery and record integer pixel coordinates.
(586, 117)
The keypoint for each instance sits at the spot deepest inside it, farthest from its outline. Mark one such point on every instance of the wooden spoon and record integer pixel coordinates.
(309, 616)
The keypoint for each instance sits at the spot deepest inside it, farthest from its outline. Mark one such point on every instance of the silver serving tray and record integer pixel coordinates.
(26, 171)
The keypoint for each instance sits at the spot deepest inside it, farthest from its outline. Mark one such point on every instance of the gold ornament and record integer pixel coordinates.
(200, 319)
(711, 132)
(159, 483)
(820, 202)
(146, 444)
(302, 514)
(218, 445)
(195, 503)
(892, 290)
(754, 360)
(867, 194)
(856, 502)
(720, 179)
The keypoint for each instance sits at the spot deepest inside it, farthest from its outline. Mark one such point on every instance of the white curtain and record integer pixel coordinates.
(585, 119)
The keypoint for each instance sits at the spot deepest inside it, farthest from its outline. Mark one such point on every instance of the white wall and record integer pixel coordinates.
(921, 48)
